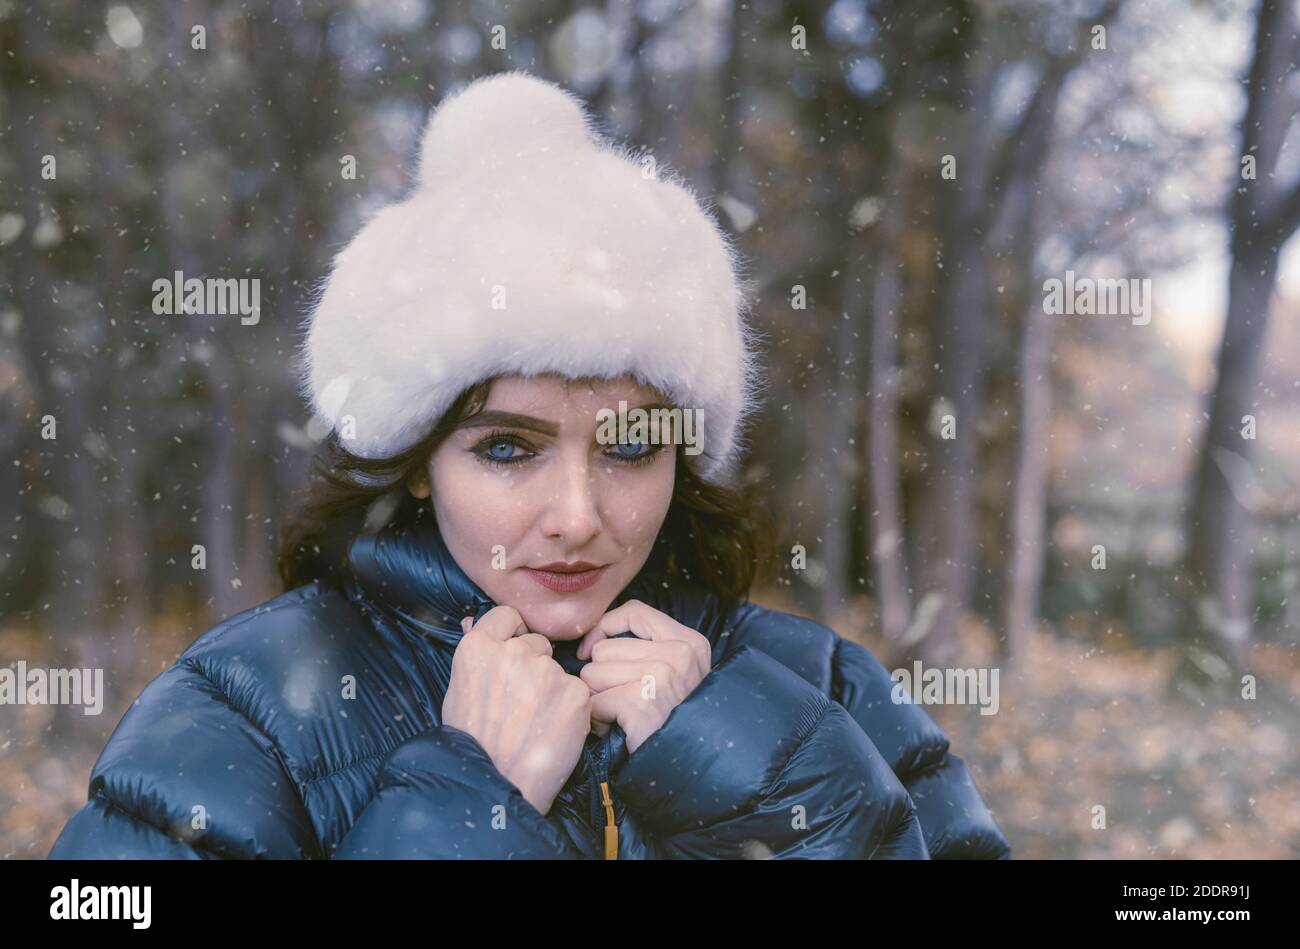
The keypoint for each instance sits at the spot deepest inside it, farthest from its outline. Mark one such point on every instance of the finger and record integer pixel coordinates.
(601, 676)
(685, 658)
(499, 623)
(632, 617)
(614, 705)
(535, 643)
(623, 650)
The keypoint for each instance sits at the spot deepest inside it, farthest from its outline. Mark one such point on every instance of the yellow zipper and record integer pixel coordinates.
(611, 828)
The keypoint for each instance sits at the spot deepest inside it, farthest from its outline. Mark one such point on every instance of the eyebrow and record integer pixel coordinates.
(495, 418)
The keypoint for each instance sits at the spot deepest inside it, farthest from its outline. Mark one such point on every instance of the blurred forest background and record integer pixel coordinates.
(1108, 511)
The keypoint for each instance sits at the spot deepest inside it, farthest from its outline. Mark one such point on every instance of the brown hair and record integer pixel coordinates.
(709, 536)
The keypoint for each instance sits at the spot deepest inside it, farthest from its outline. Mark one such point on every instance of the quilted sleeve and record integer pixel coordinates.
(757, 762)
(185, 776)
(954, 818)
(441, 797)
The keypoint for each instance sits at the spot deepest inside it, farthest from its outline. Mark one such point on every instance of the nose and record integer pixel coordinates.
(571, 514)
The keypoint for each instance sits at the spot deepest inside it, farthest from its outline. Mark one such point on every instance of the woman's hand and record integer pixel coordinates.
(507, 691)
(638, 682)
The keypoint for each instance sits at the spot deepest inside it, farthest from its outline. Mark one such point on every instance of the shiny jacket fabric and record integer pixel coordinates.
(309, 728)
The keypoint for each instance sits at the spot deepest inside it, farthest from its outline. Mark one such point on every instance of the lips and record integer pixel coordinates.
(566, 578)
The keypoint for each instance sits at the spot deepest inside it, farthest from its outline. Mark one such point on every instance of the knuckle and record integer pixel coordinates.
(503, 614)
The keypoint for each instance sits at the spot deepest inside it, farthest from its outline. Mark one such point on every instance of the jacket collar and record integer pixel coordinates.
(406, 569)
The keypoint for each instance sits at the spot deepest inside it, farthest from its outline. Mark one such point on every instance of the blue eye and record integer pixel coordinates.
(498, 449)
(634, 453)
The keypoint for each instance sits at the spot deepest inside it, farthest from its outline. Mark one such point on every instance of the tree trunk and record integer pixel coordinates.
(885, 527)
(948, 495)
(1029, 486)
(838, 511)
(128, 617)
(946, 499)
(1219, 552)
(1219, 521)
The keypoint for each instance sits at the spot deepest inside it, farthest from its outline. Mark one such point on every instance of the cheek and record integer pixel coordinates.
(635, 509)
(476, 510)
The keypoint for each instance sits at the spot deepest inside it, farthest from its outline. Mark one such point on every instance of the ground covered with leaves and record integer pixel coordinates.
(1184, 769)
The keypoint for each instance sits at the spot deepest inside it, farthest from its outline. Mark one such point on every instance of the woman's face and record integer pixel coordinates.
(526, 485)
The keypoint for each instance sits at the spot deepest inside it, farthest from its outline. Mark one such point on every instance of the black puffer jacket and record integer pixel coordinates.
(309, 727)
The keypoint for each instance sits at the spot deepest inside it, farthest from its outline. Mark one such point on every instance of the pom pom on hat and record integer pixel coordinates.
(530, 245)
(519, 115)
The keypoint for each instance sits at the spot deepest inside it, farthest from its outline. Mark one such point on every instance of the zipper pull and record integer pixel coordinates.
(611, 828)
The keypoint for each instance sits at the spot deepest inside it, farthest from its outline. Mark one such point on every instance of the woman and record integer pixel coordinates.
(515, 622)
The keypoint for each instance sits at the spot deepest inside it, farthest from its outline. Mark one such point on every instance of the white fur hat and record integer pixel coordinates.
(530, 245)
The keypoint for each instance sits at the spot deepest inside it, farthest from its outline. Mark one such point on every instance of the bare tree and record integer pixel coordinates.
(885, 526)
(990, 159)
(1264, 214)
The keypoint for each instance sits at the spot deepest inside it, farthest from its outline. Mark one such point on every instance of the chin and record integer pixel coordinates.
(561, 616)
(562, 622)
